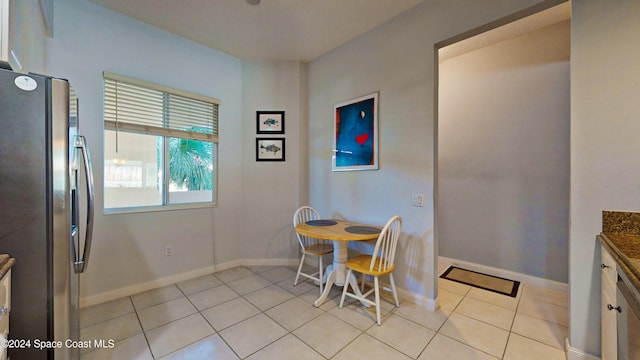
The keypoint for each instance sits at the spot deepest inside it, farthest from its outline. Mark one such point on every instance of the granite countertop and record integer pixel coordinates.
(6, 262)
(621, 236)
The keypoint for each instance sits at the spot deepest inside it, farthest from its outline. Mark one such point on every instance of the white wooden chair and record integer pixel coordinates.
(381, 262)
(310, 246)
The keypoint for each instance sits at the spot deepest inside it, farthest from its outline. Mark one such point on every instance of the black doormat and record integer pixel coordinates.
(483, 281)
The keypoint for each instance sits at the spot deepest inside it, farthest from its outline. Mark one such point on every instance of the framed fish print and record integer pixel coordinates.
(355, 142)
(270, 149)
(270, 122)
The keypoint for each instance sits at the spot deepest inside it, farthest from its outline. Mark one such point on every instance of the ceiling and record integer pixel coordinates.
(533, 22)
(273, 30)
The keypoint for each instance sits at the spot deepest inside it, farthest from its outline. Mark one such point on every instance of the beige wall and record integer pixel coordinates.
(28, 35)
(503, 154)
(252, 220)
(128, 249)
(395, 59)
(271, 189)
(605, 145)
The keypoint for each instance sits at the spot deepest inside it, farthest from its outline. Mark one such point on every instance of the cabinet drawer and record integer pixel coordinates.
(608, 267)
(609, 288)
(609, 328)
(3, 293)
(5, 289)
(4, 324)
(5, 302)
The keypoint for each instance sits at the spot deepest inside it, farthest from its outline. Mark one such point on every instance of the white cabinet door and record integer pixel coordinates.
(5, 307)
(12, 33)
(609, 267)
(18, 34)
(609, 330)
(23, 32)
(608, 312)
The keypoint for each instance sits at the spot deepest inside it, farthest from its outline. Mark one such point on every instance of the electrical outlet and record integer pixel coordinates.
(417, 200)
(168, 250)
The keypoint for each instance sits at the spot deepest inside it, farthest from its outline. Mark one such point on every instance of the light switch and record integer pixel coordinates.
(417, 200)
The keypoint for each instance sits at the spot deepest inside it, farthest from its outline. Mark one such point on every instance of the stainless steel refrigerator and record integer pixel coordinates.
(46, 211)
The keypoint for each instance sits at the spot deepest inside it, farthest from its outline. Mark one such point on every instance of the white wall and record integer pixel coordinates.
(503, 154)
(605, 145)
(395, 59)
(271, 190)
(28, 33)
(252, 222)
(128, 249)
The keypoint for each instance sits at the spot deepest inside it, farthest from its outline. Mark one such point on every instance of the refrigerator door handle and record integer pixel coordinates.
(81, 264)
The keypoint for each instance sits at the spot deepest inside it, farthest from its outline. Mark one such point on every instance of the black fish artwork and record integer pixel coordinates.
(270, 148)
(270, 122)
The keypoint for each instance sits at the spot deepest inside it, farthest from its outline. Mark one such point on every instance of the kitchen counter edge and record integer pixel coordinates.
(624, 249)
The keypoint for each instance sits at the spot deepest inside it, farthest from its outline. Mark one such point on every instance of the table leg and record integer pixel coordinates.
(337, 273)
(340, 257)
(331, 276)
(353, 281)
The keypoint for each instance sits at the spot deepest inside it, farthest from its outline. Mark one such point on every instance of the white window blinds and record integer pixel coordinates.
(137, 106)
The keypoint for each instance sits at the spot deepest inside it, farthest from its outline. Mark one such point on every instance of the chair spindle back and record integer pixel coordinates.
(302, 215)
(384, 254)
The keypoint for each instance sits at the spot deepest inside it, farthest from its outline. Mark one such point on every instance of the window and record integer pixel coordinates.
(160, 145)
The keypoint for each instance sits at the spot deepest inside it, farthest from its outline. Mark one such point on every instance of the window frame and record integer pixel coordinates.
(166, 133)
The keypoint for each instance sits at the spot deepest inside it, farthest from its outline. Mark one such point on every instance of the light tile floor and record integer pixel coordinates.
(257, 313)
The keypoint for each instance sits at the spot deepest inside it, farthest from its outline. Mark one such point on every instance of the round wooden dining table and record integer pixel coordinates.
(340, 232)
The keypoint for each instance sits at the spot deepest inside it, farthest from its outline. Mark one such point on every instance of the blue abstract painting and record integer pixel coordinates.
(356, 140)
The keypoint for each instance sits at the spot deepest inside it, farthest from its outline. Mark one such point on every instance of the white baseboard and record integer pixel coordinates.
(406, 295)
(505, 273)
(577, 354)
(429, 304)
(100, 298)
(572, 353)
(256, 262)
(172, 279)
(141, 287)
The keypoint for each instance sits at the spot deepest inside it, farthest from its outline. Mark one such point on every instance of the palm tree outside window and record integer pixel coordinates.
(160, 146)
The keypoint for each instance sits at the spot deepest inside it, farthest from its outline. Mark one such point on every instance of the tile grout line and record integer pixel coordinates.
(535, 317)
(391, 312)
(262, 312)
(288, 332)
(197, 312)
(144, 333)
(515, 313)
